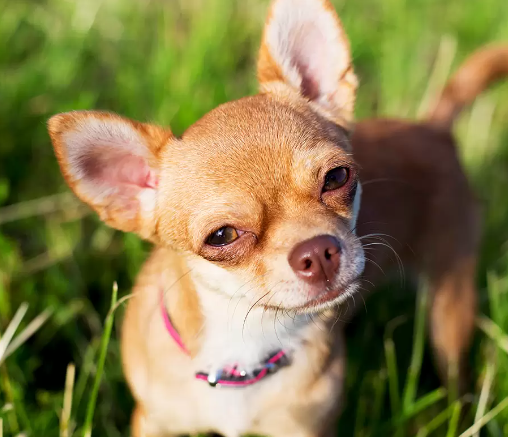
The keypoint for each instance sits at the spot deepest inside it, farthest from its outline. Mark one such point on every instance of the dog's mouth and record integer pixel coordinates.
(328, 298)
(325, 297)
(332, 297)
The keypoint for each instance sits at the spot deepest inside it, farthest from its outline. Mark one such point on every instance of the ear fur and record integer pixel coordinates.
(111, 163)
(304, 46)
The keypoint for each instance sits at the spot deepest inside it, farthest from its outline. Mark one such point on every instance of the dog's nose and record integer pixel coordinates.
(316, 260)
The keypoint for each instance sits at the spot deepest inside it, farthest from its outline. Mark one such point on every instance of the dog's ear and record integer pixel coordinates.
(305, 47)
(111, 163)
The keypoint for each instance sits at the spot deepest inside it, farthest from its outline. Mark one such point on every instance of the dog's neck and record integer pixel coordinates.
(219, 331)
(236, 332)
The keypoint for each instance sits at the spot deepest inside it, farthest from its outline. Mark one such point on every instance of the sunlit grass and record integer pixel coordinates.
(170, 62)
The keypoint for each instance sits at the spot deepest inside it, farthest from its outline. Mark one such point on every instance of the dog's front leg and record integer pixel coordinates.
(138, 423)
(140, 426)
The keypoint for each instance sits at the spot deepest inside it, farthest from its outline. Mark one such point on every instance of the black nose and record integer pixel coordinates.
(316, 260)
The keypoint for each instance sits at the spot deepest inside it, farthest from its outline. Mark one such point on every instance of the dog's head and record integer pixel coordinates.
(260, 195)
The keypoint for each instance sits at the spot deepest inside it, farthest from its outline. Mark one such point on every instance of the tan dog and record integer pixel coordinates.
(416, 195)
(233, 324)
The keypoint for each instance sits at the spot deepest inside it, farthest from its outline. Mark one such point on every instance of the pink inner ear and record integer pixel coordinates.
(114, 169)
(310, 57)
(130, 169)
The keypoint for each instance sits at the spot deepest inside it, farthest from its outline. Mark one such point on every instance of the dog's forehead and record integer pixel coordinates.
(261, 126)
(251, 150)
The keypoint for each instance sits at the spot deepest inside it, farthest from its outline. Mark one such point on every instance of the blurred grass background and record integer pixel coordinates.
(171, 61)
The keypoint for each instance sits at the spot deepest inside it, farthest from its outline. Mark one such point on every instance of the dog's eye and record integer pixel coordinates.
(335, 179)
(222, 236)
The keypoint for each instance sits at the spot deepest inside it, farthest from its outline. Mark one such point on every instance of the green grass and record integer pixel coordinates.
(170, 62)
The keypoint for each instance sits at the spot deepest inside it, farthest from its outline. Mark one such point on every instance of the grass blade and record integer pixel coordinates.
(393, 379)
(418, 345)
(494, 331)
(439, 420)
(37, 207)
(454, 420)
(421, 404)
(485, 392)
(87, 368)
(391, 363)
(67, 404)
(379, 396)
(439, 75)
(12, 418)
(30, 330)
(486, 418)
(11, 329)
(361, 410)
(87, 430)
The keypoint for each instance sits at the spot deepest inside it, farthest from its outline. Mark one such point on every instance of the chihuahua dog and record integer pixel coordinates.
(416, 195)
(255, 217)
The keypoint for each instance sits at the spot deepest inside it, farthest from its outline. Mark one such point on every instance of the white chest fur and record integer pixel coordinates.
(232, 333)
(236, 333)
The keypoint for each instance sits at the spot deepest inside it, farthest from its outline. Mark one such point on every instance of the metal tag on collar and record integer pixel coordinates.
(214, 377)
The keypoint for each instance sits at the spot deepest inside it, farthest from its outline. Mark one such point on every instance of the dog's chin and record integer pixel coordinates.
(328, 299)
(323, 301)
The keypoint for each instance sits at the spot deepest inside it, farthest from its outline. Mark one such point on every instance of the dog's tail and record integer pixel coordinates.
(477, 73)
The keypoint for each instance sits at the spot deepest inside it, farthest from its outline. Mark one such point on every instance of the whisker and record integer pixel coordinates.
(378, 180)
(314, 321)
(364, 304)
(377, 234)
(337, 319)
(247, 282)
(250, 309)
(399, 260)
(275, 327)
(286, 315)
(239, 300)
(376, 264)
(265, 305)
(366, 280)
(372, 235)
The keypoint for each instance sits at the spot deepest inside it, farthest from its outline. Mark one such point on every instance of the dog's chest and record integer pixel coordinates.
(233, 335)
(230, 411)
(182, 404)
(247, 338)
(247, 343)
(191, 407)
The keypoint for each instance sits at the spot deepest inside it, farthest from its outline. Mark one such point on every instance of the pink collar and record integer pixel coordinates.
(229, 376)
